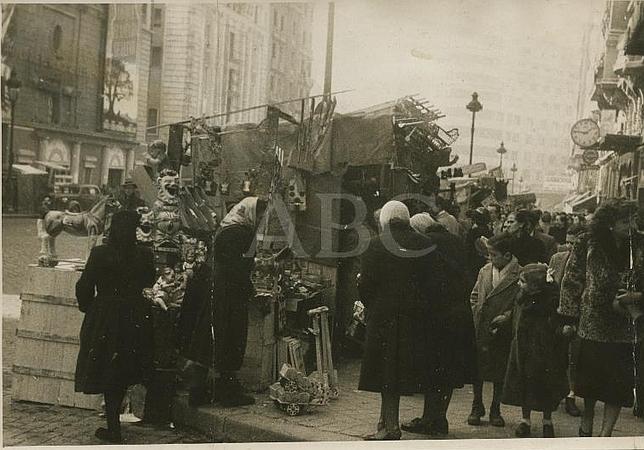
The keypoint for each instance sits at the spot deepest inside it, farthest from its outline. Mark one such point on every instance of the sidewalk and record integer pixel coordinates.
(356, 413)
(348, 418)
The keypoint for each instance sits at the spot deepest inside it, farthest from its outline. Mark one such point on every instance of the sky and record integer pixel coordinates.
(386, 49)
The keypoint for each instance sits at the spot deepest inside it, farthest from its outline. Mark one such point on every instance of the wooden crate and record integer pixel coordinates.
(47, 340)
(260, 360)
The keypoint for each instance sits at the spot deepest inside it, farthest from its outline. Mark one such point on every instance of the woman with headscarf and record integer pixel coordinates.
(451, 319)
(116, 335)
(230, 286)
(393, 286)
(591, 293)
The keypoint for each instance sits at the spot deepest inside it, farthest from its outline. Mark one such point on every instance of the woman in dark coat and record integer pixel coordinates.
(231, 288)
(116, 335)
(590, 287)
(393, 285)
(451, 319)
(536, 375)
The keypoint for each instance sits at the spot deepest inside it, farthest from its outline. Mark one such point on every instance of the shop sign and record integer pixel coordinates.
(590, 156)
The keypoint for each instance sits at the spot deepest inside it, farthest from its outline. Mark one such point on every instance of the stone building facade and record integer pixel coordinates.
(59, 53)
(616, 102)
(215, 58)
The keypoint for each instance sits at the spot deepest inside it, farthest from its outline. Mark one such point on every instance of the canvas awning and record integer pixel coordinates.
(584, 202)
(27, 169)
(51, 165)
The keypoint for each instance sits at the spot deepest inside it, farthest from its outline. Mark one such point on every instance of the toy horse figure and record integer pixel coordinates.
(85, 224)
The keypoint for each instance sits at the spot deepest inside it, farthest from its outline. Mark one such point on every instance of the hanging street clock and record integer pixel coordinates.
(585, 133)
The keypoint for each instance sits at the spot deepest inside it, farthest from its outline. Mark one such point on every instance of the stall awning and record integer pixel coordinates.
(28, 170)
(51, 165)
(586, 200)
(621, 143)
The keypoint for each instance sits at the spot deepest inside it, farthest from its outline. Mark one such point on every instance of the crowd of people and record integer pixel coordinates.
(533, 302)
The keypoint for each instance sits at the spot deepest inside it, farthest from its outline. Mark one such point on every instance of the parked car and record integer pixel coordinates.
(85, 194)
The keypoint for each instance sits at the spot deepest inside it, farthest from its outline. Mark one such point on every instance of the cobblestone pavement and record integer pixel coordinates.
(36, 424)
(20, 246)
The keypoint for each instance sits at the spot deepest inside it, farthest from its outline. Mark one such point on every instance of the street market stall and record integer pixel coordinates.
(301, 166)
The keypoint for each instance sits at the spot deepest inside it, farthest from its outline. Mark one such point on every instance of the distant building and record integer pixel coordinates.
(215, 58)
(83, 67)
(528, 95)
(290, 53)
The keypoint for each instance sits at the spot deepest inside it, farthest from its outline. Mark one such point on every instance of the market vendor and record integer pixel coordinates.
(129, 196)
(232, 288)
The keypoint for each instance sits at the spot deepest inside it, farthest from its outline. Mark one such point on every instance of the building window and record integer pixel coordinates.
(274, 51)
(114, 178)
(157, 17)
(153, 117)
(231, 45)
(233, 80)
(66, 109)
(87, 175)
(156, 56)
(282, 23)
(57, 38)
(53, 108)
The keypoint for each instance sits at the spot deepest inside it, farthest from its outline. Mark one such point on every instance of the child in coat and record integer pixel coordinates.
(536, 378)
(492, 301)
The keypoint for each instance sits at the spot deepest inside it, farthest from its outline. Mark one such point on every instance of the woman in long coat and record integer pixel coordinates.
(393, 286)
(454, 343)
(589, 289)
(230, 287)
(116, 336)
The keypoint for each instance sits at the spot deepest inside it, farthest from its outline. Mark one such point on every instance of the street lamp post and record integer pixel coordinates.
(501, 151)
(514, 172)
(474, 106)
(13, 90)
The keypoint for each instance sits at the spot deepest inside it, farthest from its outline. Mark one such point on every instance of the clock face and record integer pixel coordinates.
(585, 133)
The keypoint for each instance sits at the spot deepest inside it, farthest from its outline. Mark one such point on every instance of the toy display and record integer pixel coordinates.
(85, 224)
(295, 393)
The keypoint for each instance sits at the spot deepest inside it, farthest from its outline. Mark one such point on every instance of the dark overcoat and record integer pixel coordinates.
(455, 341)
(488, 303)
(228, 290)
(395, 287)
(536, 373)
(116, 341)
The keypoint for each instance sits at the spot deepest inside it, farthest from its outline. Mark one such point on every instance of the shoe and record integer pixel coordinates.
(497, 420)
(232, 394)
(583, 433)
(571, 407)
(439, 427)
(474, 418)
(522, 431)
(383, 435)
(548, 431)
(417, 425)
(108, 436)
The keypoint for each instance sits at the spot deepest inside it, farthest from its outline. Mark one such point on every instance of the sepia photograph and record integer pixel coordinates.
(265, 222)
